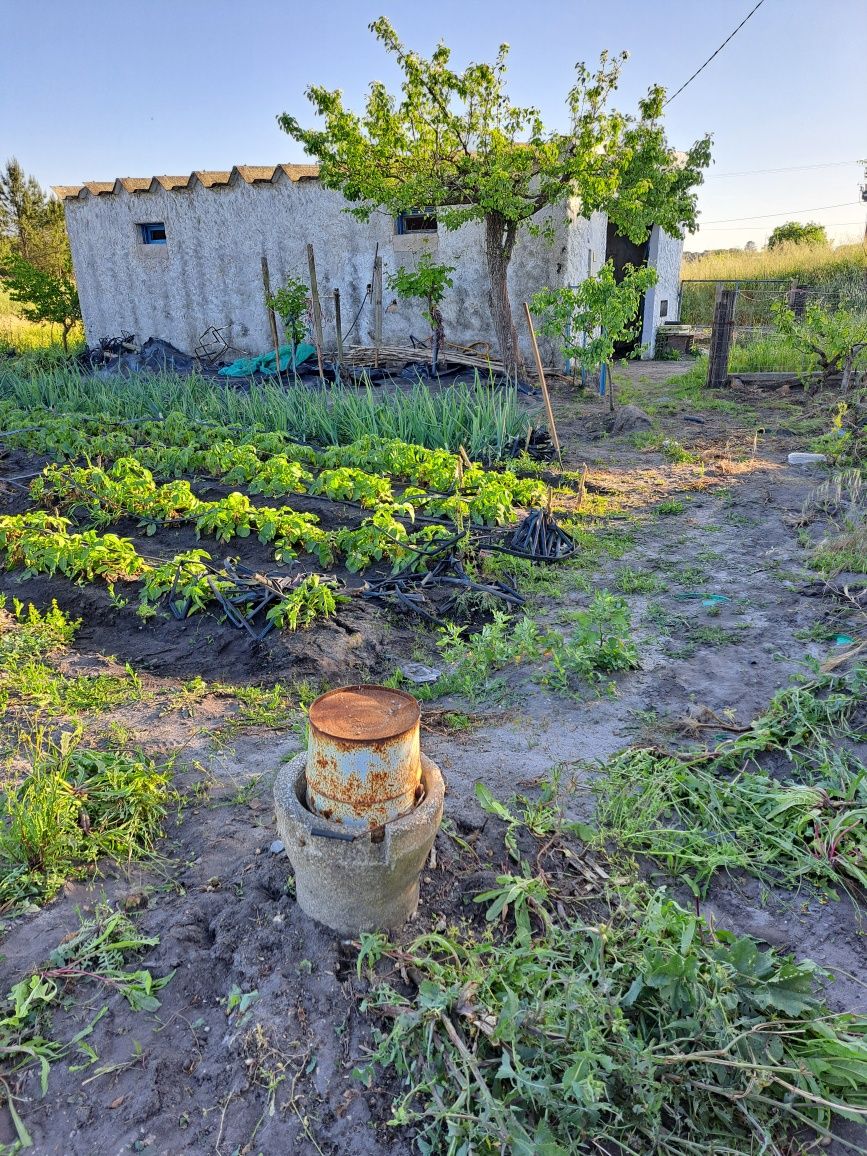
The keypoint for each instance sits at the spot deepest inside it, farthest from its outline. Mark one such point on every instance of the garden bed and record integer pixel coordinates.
(696, 533)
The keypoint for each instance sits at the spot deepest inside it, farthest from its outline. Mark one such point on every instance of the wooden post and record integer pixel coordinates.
(721, 338)
(339, 327)
(377, 308)
(272, 316)
(543, 383)
(317, 311)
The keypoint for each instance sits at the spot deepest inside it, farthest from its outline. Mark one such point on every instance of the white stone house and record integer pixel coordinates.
(168, 257)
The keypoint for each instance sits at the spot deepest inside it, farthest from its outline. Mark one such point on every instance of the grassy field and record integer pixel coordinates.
(836, 275)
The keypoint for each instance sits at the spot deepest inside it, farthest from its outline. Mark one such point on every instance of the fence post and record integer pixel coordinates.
(721, 338)
(797, 301)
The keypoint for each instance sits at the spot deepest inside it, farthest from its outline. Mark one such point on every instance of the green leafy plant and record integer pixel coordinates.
(832, 342)
(698, 814)
(427, 282)
(290, 303)
(566, 1025)
(589, 320)
(74, 806)
(43, 296)
(797, 233)
(96, 952)
(311, 599)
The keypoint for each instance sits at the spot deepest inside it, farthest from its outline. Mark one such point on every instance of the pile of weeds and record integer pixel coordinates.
(73, 806)
(702, 812)
(97, 951)
(619, 1024)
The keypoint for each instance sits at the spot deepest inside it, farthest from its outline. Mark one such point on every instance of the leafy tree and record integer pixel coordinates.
(796, 233)
(833, 342)
(428, 281)
(32, 222)
(44, 296)
(590, 319)
(455, 143)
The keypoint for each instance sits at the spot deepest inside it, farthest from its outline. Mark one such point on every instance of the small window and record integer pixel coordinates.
(663, 308)
(153, 233)
(416, 221)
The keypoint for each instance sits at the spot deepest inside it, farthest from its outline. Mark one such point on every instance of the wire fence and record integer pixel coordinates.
(756, 345)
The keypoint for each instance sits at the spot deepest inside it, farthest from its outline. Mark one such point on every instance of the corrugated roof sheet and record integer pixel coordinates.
(250, 174)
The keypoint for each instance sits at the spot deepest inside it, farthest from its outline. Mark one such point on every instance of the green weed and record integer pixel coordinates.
(73, 807)
(564, 1027)
(97, 951)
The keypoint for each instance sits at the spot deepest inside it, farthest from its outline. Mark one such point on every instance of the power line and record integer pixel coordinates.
(760, 228)
(718, 51)
(780, 213)
(787, 169)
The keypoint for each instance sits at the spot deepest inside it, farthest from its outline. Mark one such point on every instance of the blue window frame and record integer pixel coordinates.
(153, 233)
(416, 221)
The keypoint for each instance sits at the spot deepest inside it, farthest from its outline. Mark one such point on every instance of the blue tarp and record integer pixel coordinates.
(266, 364)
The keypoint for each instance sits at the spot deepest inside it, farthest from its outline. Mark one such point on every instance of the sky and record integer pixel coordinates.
(107, 88)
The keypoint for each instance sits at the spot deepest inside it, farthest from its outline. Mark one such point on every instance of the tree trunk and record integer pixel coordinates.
(500, 237)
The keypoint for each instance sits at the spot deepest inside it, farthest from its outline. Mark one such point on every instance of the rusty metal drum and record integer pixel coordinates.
(363, 757)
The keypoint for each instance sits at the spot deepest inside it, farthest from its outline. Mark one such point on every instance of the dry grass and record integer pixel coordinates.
(808, 264)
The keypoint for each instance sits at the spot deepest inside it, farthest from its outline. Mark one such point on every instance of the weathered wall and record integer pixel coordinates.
(209, 272)
(664, 255)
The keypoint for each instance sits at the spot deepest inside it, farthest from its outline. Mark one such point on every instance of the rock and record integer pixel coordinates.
(419, 673)
(277, 847)
(807, 459)
(627, 419)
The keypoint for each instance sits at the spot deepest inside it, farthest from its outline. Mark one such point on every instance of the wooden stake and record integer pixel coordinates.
(377, 308)
(543, 383)
(272, 316)
(317, 311)
(339, 326)
(582, 486)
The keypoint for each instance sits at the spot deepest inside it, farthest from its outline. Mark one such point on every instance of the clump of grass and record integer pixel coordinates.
(74, 806)
(669, 447)
(843, 498)
(28, 637)
(631, 581)
(599, 644)
(671, 506)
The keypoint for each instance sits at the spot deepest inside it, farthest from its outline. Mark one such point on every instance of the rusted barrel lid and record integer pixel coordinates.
(364, 713)
(363, 755)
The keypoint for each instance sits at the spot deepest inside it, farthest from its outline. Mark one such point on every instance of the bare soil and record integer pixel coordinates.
(192, 1078)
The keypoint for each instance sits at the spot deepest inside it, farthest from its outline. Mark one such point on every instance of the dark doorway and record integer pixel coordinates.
(622, 252)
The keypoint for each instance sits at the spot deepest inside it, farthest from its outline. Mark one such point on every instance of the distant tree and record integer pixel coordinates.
(32, 222)
(43, 296)
(750, 247)
(454, 145)
(796, 233)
